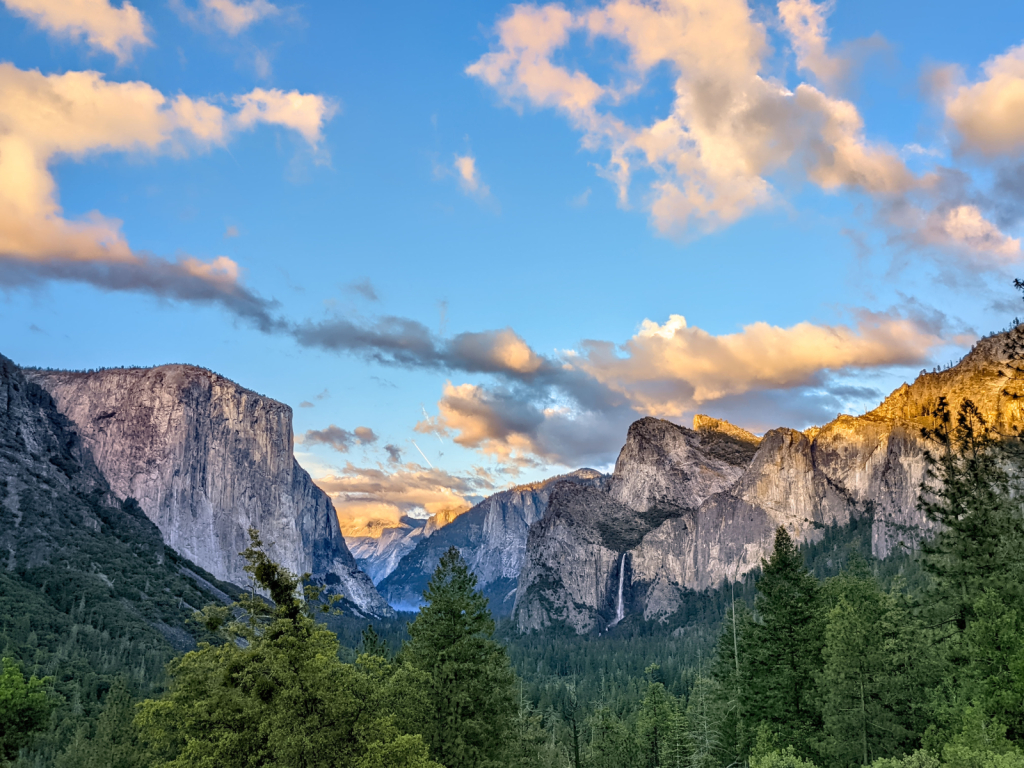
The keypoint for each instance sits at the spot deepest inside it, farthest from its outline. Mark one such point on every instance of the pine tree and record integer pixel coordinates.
(274, 693)
(783, 651)
(678, 747)
(727, 673)
(613, 745)
(470, 678)
(874, 670)
(571, 710)
(115, 744)
(372, 643)
(654, 723)
(969, 494)
(703, 724)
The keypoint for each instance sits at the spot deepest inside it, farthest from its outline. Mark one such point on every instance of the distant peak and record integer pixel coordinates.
(708, 425)
(442, 518)
(372, 529)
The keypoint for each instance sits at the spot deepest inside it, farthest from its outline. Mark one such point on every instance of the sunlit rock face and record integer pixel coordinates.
(712, 497)
(206, 459)
(671, 468)
(492, 539)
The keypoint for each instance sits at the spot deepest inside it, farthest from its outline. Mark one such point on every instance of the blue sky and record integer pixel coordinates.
(411, 218)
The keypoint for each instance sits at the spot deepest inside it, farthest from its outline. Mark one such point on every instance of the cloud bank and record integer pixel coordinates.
(74, 115)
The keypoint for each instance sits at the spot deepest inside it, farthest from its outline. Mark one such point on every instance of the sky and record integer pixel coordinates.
(470, 242)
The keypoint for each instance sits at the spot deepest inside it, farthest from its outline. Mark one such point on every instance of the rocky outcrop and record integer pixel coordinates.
(491, 537)
(571, 573)
(722, 492)
(666, 469)
(207, 459)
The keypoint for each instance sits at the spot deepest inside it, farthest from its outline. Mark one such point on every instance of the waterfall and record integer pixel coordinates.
(619, 613)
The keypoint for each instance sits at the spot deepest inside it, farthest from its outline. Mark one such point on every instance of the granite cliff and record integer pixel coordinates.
(491, 537)
(206, 459)
(74, 558)
(693, 508)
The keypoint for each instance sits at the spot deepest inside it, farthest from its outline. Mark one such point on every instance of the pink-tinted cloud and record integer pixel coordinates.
(102, 26)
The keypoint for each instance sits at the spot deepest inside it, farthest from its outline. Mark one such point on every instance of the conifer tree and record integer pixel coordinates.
(727, 673)
(874, 669)
(703, 724)
(783, 650)
(678, 747)
(654, 723)
(470, 678)
(115, 744)
(274, 693)
(969, 495)
(372, 643)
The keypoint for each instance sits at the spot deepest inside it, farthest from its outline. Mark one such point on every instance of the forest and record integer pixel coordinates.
(823, 657)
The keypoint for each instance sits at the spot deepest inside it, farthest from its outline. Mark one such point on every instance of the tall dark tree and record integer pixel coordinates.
(783, 650)
(969, 494)
(470, 691)
(727, 673)
(654, 723)
(115, 743)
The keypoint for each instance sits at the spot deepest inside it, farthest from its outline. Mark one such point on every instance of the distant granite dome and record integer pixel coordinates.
(206, 459)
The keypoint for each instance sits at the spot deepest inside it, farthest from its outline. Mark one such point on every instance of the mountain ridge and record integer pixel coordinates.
(865, 468)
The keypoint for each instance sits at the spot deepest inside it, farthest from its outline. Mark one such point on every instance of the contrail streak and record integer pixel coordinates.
(423, 454)
(425, 416)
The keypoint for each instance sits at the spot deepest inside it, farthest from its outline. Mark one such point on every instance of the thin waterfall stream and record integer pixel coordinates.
(619, 613)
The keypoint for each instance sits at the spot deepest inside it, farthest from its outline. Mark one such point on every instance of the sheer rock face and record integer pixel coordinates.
(492, 539)
(206, 459)
(574, 554)
(39, 448)
(712, 498)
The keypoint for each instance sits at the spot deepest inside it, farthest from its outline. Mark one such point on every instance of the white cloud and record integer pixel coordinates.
(469, 177)
(234, 17)
(78, 114)
(363, 495)
(672, 368)
(576, 408)
(230, 16)
(989, 114)
(117, 31)
(804, 22)
(730, 125)
(305, 113)
(966, 225)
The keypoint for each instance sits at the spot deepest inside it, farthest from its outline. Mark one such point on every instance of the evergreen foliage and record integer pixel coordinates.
(272, 693)
(24, 708)
(469, 695)
(782, 652)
